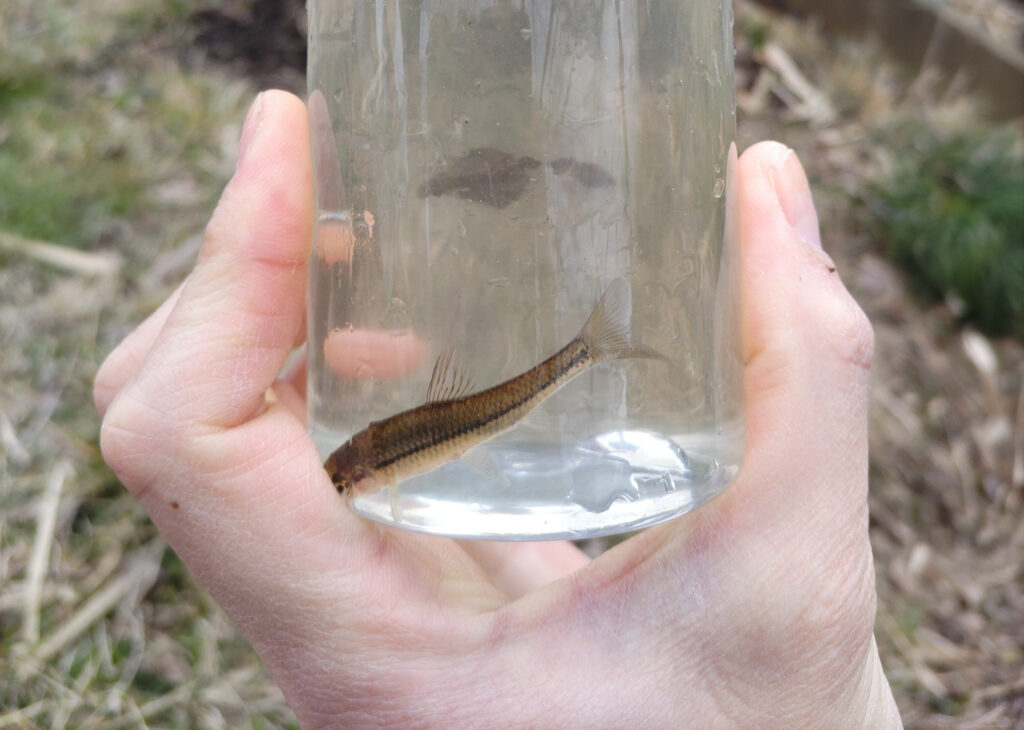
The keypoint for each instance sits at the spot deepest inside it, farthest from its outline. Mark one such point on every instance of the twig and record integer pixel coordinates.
(139, 574)
(812, 104)
(956, 19)
(925, 676)
(153, 707)
(62, 257)
(23, 716)
(1017, 475)
(41, 547)
(13, 597)
(16, 452)
(997, 690)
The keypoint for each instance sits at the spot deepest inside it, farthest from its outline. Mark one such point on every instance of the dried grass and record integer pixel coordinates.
(101, 626)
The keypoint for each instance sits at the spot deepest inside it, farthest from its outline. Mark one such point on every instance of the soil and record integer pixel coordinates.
(264, 40)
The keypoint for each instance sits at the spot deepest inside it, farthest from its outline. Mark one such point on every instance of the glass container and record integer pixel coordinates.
(522, 217)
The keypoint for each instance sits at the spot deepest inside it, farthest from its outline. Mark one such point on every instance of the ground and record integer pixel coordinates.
(118, 127)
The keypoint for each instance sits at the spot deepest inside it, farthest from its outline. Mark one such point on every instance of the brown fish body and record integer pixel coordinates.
(441, 430)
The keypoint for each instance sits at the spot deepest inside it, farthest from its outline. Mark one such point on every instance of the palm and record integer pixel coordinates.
(478, 614)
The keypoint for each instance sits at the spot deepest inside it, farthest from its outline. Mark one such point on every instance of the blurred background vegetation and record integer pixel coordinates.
(119, 122)
(952, 215)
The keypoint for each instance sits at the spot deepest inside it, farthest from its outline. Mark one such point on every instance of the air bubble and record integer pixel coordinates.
(719, 188)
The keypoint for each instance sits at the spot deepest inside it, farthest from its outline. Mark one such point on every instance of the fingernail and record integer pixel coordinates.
(794, 195)
(250, 127)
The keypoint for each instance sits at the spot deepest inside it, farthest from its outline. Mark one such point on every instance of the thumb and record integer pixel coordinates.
(806, 343)
(790, 537)
(792, 532)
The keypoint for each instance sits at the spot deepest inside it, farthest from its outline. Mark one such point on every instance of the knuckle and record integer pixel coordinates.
(130, 437)
(852, 337)
(835, 322)
(834, 317)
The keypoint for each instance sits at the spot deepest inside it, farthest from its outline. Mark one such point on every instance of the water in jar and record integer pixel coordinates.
(484, 171)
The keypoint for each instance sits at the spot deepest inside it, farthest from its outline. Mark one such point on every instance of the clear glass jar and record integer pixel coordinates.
(485, 171)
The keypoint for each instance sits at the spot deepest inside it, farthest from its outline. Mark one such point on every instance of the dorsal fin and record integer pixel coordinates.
(449, 380)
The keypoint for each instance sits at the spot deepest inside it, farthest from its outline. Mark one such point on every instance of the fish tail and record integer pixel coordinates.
(607, 331)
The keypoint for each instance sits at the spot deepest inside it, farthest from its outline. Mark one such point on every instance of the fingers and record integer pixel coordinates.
(791, 532)
(232, 480)
(242, 309)
(205, 360)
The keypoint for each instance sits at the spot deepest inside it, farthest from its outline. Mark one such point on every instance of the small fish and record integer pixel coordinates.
(452, 421)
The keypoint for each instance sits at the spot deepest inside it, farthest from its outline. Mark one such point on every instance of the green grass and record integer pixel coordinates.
(953, 218)
(94, 128)
(44, 192)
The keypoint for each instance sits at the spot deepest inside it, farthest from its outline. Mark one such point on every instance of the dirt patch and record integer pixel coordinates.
(264, 40)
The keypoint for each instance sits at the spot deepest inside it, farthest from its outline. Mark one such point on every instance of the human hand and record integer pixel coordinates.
(756, 610)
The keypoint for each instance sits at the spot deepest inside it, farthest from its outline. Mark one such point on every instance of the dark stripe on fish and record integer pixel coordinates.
(450, 423)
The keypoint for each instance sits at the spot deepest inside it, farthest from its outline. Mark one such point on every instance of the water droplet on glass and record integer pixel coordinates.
(526, 33)
(719, 188)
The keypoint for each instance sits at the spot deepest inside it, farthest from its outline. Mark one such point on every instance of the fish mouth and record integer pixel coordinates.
(367, 485)
(342, 485)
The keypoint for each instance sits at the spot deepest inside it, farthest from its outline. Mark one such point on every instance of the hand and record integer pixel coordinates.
(756, 610)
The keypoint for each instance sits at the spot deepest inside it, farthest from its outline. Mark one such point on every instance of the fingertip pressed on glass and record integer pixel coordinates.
(524, 294)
